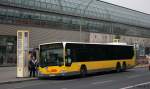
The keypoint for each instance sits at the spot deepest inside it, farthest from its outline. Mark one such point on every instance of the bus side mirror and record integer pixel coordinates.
(68, 61)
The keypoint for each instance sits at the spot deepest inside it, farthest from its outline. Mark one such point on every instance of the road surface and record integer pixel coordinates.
(138, 78)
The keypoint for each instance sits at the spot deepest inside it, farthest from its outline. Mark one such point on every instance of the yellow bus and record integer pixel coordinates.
(69, 58)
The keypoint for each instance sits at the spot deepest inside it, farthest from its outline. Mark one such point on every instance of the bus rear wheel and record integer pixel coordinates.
(83, 71)
(118, 68)
(124, 67)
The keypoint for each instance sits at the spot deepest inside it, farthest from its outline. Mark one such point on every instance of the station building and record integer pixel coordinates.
(70, 20)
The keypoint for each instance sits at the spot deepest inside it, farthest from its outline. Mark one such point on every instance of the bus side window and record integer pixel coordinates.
(68, 61)
(68, 58)
(68, 52)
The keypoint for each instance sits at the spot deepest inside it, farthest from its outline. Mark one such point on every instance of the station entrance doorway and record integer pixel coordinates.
(8, 50)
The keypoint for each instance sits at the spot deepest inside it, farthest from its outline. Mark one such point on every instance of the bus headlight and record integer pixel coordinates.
(63, 71)
(40, 73)
(46, 68)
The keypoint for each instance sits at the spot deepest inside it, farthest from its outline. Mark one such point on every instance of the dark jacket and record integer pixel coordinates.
(32, 64)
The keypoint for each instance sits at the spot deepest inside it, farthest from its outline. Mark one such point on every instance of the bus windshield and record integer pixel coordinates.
(51, 55)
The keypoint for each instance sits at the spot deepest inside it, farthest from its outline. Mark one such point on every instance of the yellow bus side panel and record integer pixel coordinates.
(94, 65)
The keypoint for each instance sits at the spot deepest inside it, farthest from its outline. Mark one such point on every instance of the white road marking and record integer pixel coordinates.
(133, 86)
(134, 76)
(23, 86)
(63, 88)
(102, 82)
(139, 75)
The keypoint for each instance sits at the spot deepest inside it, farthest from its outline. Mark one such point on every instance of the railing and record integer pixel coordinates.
(65, 9)
(102, 28)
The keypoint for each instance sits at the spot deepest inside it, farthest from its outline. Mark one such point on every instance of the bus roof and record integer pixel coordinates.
(64, 43)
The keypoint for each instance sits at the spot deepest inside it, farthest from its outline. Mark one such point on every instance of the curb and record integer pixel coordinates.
(8, 65)
(17, 81)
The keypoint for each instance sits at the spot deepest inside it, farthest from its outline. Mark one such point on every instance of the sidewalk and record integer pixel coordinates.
(8, 75)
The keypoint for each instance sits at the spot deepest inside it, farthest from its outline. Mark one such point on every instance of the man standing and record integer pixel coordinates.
(148, 59)
(149, 62)
(32, 66)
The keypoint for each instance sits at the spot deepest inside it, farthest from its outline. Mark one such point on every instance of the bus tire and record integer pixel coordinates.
(83, 71)
(124, 67)
(118, 67)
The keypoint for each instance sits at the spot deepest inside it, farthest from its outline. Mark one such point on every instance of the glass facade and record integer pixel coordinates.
(99, 17)
(66, 14)
(7, 49)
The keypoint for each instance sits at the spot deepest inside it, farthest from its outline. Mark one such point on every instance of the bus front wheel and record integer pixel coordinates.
(83, 71)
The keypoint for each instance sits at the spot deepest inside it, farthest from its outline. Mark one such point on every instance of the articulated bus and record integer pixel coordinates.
(69, 58)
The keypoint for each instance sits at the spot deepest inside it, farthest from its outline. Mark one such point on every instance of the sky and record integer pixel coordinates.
(139, 5)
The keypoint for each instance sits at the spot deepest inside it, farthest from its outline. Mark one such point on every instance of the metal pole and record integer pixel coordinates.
(81, 18)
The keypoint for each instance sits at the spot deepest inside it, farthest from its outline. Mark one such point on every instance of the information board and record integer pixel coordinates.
(22, 53)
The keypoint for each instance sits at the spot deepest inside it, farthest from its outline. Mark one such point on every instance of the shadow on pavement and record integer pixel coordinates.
(79, 77)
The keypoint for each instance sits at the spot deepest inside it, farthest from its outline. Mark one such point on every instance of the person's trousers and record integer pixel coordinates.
(32, 73)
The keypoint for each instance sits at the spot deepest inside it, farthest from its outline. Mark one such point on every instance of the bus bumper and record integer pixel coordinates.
(57, 75)
(51, 75)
